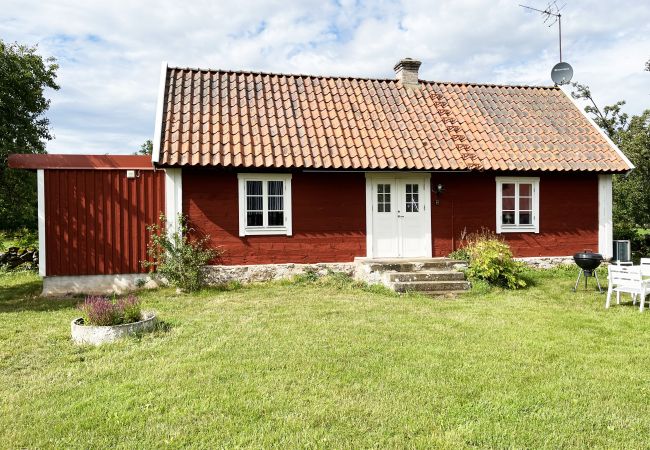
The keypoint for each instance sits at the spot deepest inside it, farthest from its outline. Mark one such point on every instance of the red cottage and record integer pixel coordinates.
(300, 169)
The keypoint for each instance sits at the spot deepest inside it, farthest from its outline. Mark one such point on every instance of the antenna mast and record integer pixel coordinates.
(551, 15)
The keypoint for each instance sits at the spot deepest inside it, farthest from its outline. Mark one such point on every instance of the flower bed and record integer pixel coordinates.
(105, 320)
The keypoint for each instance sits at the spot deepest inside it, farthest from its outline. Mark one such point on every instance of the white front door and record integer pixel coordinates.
(399, 219)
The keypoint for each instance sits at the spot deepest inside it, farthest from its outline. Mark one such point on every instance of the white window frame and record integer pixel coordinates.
(245, 230)
(516, 228)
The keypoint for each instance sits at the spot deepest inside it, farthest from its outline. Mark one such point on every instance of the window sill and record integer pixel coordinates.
(265, 231)
(517, 230)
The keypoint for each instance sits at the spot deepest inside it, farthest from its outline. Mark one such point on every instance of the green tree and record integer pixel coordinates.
(24, 77)
(146, 148)
(632, 135)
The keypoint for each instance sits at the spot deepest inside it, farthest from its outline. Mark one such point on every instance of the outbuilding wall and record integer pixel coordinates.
(95, 220)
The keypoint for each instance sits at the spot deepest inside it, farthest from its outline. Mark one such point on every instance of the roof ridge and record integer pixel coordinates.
(350, 77)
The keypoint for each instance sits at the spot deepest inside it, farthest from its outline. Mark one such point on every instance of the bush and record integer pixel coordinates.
(490, 259)
(102, 311)
(177, 256)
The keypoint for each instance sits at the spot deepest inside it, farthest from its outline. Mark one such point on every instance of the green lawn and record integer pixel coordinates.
(325, 365)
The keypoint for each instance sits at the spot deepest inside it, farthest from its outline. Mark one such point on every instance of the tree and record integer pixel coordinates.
(146, 148)
(24, 77)
(632, 135)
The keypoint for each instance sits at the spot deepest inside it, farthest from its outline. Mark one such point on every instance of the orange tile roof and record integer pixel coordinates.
(259, 120)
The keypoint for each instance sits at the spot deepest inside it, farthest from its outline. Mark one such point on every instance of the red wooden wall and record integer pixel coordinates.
(329, 216)
(568, 213)
(329, 219)
(95, 220)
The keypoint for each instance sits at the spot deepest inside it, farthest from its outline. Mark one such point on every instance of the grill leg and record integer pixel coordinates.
(575, 288)
(598, 281)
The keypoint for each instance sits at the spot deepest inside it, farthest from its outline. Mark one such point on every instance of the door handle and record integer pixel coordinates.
(400, 217)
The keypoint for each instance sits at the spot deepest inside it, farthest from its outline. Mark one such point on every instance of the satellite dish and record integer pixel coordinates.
(561, 73)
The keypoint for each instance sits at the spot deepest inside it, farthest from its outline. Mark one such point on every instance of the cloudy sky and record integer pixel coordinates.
(110, 51)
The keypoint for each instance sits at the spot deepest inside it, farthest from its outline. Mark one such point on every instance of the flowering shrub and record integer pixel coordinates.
(102, 311)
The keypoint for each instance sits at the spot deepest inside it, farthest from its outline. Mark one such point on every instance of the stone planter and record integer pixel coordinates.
(95, 335)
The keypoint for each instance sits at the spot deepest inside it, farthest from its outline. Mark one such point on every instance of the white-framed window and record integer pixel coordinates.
(264, 204)
(517, 204)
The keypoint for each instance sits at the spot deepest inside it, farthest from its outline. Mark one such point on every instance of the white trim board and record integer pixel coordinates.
(605, 221)
(40, 180)
(173, 198)
(600, 130)
(157, 138)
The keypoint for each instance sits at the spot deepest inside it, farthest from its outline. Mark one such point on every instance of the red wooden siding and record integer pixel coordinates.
(95, 220)
(568, 213)
(329, 216)
(329, 223)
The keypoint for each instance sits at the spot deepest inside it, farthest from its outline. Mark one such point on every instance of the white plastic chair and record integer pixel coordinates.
(628, 279)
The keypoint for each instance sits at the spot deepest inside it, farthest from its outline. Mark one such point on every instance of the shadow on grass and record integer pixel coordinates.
(18, 295)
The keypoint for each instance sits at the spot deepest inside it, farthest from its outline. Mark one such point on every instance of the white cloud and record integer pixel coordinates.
(110, 52)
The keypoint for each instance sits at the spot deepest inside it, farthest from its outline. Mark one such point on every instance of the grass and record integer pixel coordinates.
(325, 364)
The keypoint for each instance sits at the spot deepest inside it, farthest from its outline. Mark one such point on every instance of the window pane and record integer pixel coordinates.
(380, 188)
(386, 207)
(276, 218)
(508, 204)
(525, 218)
(525, 203)
(275, 187)
(525, 190)
(409, 207)
(380, 207)
(253, 188)
(508, 189)
(276, 203)
(253, 203)
(508, 218)
(254, 219)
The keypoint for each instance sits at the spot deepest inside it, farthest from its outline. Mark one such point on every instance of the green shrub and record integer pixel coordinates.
(178, 256)
(490, 259)
(460, 254)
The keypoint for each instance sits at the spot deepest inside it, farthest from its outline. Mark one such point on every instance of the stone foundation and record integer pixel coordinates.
(97, 284)
(269, 272)
(547, 262)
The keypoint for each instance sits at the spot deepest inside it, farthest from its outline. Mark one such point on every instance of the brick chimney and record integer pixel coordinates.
(406, 71)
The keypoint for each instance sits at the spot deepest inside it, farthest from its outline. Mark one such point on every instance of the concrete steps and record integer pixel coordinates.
(431, 286)
(429, 276)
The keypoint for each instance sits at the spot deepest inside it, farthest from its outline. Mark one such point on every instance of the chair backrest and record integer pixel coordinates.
(645, 261)
(624, 274)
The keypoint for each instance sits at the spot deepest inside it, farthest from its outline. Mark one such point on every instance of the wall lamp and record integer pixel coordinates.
(438, 189)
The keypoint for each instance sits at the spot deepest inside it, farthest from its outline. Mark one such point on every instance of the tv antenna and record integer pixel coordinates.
(561, 72)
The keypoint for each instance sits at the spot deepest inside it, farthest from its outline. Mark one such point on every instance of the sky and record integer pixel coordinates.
(110, 51)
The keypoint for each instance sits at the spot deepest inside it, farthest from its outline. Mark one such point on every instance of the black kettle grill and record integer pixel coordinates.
(588, 262)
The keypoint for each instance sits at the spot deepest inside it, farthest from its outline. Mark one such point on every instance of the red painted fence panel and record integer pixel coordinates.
(95, 220)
